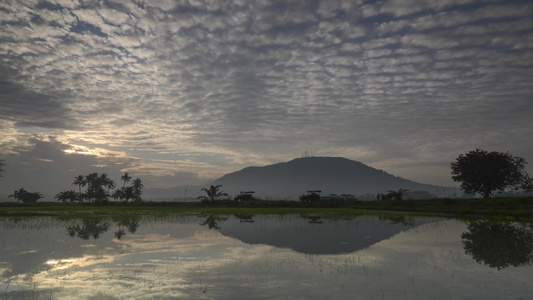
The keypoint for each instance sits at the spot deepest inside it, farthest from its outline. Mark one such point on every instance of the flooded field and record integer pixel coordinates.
(264, 257)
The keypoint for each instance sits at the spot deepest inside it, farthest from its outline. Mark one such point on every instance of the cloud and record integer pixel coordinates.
(55, 164)
(260, 82)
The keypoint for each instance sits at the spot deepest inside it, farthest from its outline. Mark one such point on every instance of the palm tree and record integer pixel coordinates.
(66, 195)
(31, 197)
(117, 194)
(107, 182)
(93, 186)
(128, 193)
(137, 186)
(126, 178)
(25, 196)
(18, 194)
(213, 192)
(79, 181)
(2, 164)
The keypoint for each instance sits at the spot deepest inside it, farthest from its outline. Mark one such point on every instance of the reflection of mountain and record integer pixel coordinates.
(311, 235)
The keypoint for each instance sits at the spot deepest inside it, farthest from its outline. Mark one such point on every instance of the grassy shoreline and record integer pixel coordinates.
(517, 208)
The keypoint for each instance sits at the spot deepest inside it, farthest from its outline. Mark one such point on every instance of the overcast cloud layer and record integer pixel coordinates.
(181, 92)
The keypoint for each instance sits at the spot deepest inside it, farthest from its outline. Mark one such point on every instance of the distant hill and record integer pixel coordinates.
(330, 174)
(184, 193)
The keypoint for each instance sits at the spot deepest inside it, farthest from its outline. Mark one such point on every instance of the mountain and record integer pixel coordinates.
(329, 174)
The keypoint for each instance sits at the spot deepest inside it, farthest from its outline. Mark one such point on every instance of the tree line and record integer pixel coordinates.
(98, 188)
(477, 171)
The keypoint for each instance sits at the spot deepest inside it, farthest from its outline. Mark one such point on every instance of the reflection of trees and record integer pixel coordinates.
(499, 245)
(95, 226)
(247, 218)
(312, 219)
(212, 221)
(397, 219)
(131, 223)
(90, 227)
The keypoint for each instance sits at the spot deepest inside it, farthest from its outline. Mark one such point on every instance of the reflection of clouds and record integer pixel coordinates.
(427, 262)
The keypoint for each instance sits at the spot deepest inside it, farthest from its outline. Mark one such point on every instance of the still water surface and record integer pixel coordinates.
(264, 257)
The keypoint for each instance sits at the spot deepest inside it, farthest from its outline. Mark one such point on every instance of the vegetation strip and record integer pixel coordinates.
(521, 208)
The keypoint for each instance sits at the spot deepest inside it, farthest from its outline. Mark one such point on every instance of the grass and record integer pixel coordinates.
(521, 208)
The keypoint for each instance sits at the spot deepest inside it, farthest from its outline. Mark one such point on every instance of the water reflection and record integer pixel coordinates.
(319, 234)
(213, 221)
(187, 257)
(499, 244)
(89, 227)
(131, 223)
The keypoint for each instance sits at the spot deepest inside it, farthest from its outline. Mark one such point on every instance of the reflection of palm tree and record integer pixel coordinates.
(130, 222)
(120, 233)
(212, 221)
(213, 192)
(499, 245)
(90, 227)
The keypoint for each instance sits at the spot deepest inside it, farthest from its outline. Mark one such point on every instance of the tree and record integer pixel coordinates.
(107, 182)
(25, 196)
(396, 195)
(125, 178)
(2, 164)
(127, 193)
(79, 181)
(485, 172)
(95, 187)
(117, 194)
(31, 197)
(66, 196)
(137, 186)
(212, 193)
(18, 194)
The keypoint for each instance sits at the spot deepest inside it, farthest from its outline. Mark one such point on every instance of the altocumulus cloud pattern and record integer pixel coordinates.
(184, 91)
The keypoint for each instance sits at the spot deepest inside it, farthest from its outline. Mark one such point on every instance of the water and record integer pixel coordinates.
(264, 257)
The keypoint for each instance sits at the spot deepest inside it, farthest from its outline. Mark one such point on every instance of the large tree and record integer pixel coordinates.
(25, 196)
(484, 172)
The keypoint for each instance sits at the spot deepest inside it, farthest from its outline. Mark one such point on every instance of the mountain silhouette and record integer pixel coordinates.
(329, 174)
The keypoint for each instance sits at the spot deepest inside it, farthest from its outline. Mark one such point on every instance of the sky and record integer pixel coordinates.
(182, 92)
